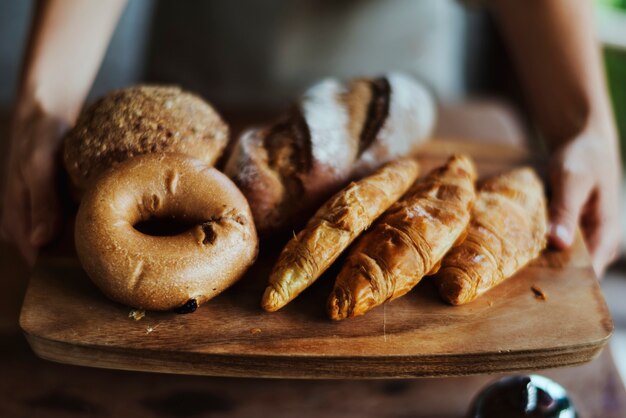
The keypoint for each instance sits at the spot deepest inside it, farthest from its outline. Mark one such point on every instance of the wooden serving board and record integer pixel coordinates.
(66, 319)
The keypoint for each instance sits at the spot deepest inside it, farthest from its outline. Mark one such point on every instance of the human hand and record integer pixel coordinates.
(585, 177)
(30, 216)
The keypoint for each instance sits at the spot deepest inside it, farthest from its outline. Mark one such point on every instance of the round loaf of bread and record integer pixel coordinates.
(140, 120)
(336, 132)
(214, 244)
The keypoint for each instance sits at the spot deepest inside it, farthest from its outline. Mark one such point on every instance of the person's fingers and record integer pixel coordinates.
(570, 191)
(15, 221)
(4, 233)
(44, 206)
(601, 234)
(605, 250)
(28, 250)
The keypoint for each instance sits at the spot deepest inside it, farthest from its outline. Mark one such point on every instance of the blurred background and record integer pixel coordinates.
(206, 47)
(263, 54)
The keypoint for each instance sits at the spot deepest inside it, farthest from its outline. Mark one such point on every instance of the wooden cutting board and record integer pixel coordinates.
(66, 319)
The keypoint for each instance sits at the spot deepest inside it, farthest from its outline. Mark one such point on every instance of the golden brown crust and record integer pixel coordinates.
(333, 227)
(139, 120)
(164, 272)
(407, 242)
(507, 230)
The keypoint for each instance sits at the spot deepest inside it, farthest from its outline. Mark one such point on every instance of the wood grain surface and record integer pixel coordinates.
(66, 319)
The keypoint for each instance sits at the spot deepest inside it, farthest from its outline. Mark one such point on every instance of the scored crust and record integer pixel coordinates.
(335, 133)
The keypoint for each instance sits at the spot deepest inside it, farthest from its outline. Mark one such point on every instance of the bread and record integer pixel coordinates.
(333, 227)
(407, 242)
(335, 133)
(163, 270)
(139, 120)
(508, 229)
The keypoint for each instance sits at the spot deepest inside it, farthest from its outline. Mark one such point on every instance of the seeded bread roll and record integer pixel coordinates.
(140, 120)
(335, 133)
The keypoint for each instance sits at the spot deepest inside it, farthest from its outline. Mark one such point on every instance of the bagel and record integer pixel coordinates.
(182, 270)
(141, 120)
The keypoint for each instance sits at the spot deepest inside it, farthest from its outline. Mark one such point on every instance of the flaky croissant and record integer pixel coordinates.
(507, 230)
(407, 242)
(333, 227)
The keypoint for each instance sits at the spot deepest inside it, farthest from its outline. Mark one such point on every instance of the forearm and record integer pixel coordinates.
(553, 46)
(66, 46)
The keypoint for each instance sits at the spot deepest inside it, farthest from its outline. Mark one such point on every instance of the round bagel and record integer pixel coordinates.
(141, 120)
(154, 272)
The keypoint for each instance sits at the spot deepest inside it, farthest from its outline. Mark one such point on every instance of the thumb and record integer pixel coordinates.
(570, 192)
(44, 205)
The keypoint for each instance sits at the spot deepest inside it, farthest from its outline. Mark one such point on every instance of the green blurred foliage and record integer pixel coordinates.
(615, 61)
(620, 4)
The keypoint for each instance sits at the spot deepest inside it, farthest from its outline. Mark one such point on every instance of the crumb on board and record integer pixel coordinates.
(490, 303)
(151, 328)
(255, 331)
(539, 293)
(136, 314)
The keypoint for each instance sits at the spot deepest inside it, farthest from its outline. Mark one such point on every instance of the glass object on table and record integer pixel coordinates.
(522, 396)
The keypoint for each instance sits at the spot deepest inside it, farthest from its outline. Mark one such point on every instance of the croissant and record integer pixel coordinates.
(407, 242)
(333, 227)
(507, 230)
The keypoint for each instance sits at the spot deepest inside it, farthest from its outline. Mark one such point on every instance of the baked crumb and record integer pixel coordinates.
(151, 328)
(255, 331)
(539, 293)
(136, 314)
